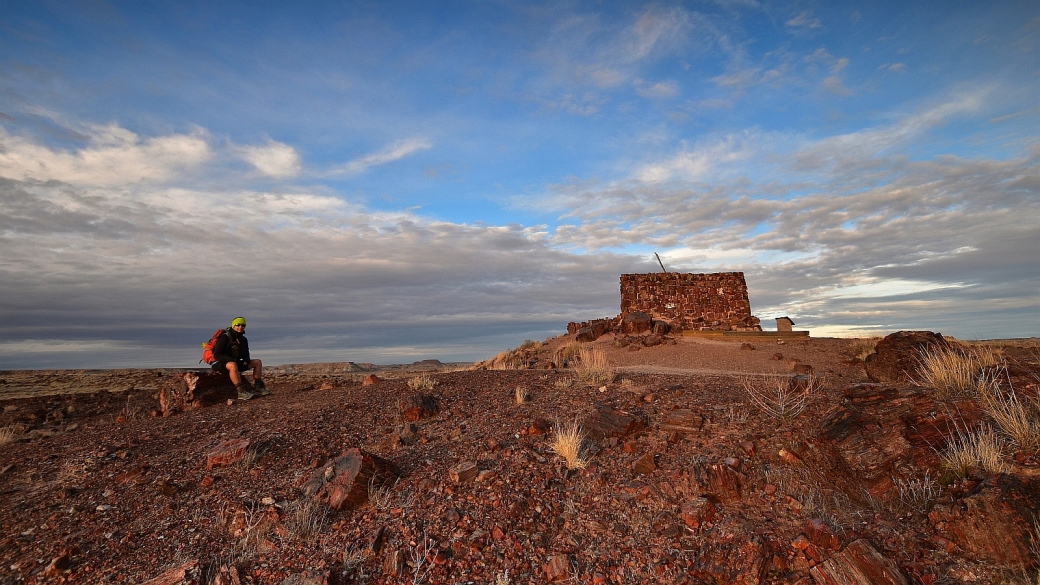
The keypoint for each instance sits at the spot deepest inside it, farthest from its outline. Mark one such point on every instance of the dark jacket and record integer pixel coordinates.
(231, 347)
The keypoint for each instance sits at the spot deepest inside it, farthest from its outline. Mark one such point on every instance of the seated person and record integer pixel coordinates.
(231, 351)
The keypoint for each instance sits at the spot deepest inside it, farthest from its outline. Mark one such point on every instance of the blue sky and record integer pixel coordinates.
(395, 181)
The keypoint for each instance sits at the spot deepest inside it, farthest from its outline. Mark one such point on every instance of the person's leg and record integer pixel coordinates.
(257, 369)
(232, 369)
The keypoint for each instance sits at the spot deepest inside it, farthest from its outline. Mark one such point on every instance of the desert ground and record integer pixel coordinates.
(699, 461)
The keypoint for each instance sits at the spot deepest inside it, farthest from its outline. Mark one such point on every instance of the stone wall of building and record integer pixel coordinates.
(706, 302)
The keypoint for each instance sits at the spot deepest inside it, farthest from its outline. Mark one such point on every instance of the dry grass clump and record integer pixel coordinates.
(917, 494)
(983, 449)
(563, 383)
(423, 381)
(592, 366)
(779, 397)
(8, 435)
(521, 394)
(567, 443)
(383, 496)
(305, 519)
(1017, 419)
(863, 347)
(566, 353)
(949, 371)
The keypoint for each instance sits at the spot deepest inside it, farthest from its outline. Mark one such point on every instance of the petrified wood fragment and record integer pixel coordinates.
(681, 421)
(418, 406)
(344, 480)
(859, 564)
(897, 356)
(607, 422)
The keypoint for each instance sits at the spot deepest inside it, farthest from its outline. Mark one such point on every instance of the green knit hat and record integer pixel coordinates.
(238, 321)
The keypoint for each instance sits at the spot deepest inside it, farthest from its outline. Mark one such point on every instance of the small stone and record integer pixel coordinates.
(464, 472)
(558, 568)
(645, 465)
(371, 380)
(227, 453)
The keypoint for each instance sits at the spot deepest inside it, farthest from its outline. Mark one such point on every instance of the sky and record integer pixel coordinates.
(393, 181)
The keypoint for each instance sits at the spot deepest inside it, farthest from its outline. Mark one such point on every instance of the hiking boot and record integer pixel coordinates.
(261, 388)
(244, 393)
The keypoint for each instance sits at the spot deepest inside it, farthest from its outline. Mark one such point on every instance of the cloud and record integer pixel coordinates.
(389, 154)
(273, 159)
(893, 67)
(113, 156)
(805, 20)
(832, 240)
(659, 90)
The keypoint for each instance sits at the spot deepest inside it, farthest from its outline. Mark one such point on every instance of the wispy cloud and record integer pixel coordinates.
(389, 154)
(805, 20)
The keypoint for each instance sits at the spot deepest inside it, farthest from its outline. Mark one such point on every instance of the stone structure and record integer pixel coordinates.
(784, 324)
(698, 302)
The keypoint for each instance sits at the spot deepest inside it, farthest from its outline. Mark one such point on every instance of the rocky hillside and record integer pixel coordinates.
(690, 476)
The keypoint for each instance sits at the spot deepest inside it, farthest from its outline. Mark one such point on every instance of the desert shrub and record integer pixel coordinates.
(254, 453)
(423, 381)
(983, 449)
(567, 352)
(592, 366)
(1017, 419)
(528, 344)
(778, 397)
(863, 347)
(567, 443)
(563, 383)
(382, 496)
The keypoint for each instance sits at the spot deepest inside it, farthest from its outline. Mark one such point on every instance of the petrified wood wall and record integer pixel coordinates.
(716, 301)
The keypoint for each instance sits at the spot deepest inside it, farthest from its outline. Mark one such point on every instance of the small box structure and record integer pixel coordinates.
(784, 324)
(693, 302)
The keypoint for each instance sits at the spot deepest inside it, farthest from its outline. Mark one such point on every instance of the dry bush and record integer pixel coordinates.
(513, 359)
(305, 519)
(382, 497)
(778, 396)
(522, 394)
(592, 366)
(566, 352)
(254, 453)
(983, 449)
(563, 383)
(423, 381)
(502, 578)
(8, 435)
(1017, 420)
(863, 347)
(949, 372)
(917, 494)
(567, 443)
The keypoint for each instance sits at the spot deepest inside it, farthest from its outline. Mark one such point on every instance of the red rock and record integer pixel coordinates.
(895, 358)
(728, 553)
(697, 511)
(636, 322)
(681, 421)
(189, 571)
(606, 422)
(803, 369)
(307, 578)
(416, 407)
(644, 465)
(58, 564)
(393, 562)
(464, 472)
(858, 564)
(371, 380)
(818, 533)
(344, 480)
(227, 453)
(558, 568)
(721, 481)
(497, 534)
(992, 522)
(652, 340)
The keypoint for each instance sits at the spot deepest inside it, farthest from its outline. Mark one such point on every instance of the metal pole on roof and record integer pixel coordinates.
(659, 262)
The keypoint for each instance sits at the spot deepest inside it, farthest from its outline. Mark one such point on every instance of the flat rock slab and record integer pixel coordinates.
(607, 422)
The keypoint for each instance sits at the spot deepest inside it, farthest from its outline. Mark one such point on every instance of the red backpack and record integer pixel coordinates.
(207, 348)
